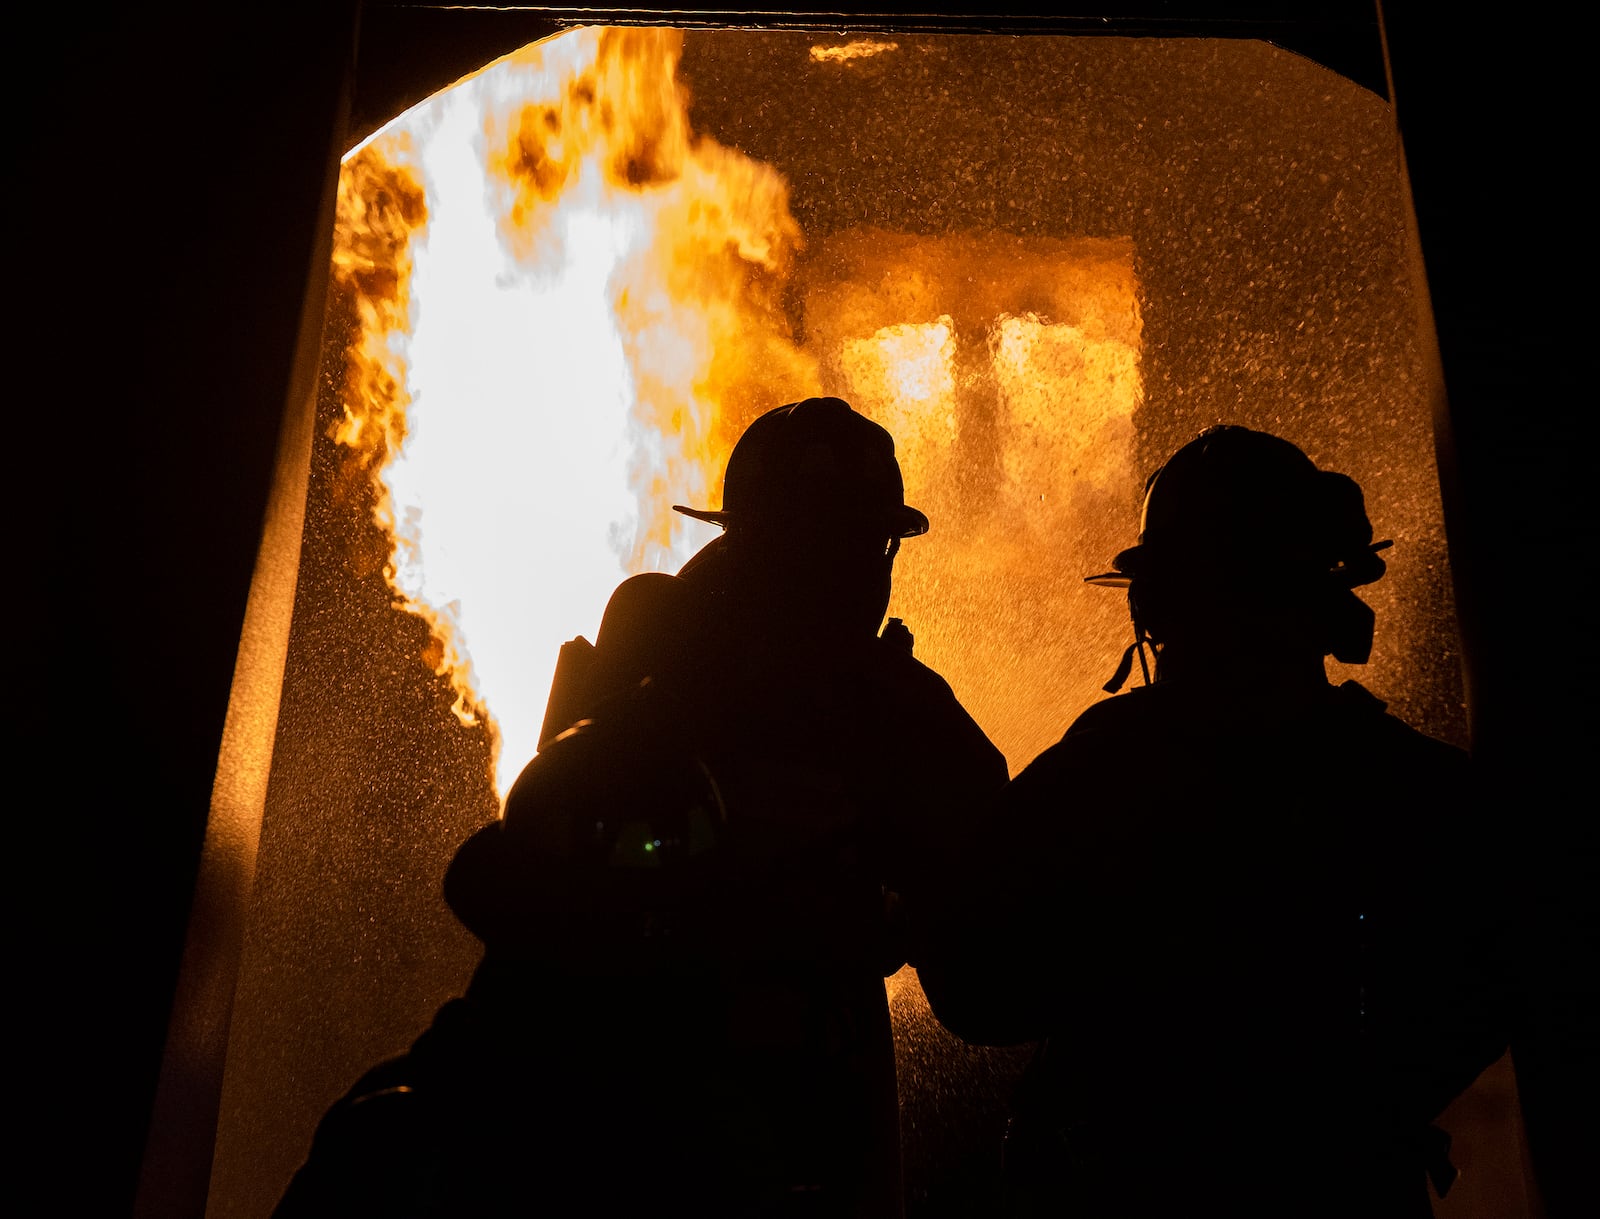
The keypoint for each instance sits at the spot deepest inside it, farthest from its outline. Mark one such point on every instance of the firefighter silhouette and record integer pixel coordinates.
(1245, 913)
(696, 888)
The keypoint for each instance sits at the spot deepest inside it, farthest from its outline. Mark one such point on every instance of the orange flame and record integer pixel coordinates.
(861, 48)
(569, 307)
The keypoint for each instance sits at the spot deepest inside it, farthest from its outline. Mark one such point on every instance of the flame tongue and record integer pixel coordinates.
(549, 272)
(569, 307)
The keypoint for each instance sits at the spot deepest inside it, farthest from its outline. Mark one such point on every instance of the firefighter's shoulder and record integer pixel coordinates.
(620, 794)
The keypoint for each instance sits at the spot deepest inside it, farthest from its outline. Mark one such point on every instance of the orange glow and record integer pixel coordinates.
(860, 48)
(566, 337)
(1043, 262)
(569, 306)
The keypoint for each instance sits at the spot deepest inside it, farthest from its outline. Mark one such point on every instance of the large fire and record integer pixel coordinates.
(563, 287)
(570, 304)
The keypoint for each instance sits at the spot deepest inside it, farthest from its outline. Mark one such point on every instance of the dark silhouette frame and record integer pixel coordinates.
(181, 166)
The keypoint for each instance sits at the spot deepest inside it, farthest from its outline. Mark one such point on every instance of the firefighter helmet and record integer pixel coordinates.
(815, 457)
(1239, 503)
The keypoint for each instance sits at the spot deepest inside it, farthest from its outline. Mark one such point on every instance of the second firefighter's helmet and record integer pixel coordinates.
(1242, 503)
(1238, 517)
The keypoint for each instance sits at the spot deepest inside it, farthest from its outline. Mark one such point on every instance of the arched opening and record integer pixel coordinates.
(1161, 233)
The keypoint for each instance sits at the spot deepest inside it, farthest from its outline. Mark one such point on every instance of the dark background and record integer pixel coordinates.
(172, 163)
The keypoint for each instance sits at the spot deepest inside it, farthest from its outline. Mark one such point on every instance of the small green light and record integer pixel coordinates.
(649, 847)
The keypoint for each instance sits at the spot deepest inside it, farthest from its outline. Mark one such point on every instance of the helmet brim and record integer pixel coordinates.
(1366, 568)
